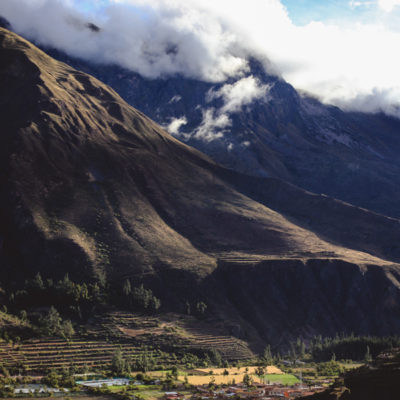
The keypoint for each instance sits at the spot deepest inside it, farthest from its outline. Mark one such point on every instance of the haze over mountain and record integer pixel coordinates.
(92, 187)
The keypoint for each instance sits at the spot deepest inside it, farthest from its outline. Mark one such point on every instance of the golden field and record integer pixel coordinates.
(235, 374)
(243, 370)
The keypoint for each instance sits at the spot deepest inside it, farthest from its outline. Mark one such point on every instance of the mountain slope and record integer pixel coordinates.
(346, 155)
(378, 380)
(92, 187)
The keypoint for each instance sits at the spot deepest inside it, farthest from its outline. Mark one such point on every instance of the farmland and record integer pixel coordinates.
(239, 370)
(40, 355)
(225, 376)
(229, 379)
(174, 330)
(159, 339)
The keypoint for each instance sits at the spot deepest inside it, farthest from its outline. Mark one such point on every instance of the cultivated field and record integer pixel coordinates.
(235, 375)
(185, 332)
(237, 371)
(44, 354)
(133, 333)
(232, 379)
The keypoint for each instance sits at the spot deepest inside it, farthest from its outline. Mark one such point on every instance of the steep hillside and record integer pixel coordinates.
(92, 187)
(350, 156)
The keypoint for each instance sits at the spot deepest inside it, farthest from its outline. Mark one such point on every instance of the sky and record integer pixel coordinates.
(345, 52)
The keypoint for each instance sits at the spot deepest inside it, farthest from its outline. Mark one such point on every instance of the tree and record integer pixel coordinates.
(187, 308)
(215, 357)
(267, 354)
(67, 329)
(247, 380)
(211, 383)
(154, 303)
(144, 362)
(368, 357)
(201, 307)
(118, 362)
(186, 379)
(23, 315)
(127, 288)
(51, 322)
(260, 372)
(37, 282)
(174, 372)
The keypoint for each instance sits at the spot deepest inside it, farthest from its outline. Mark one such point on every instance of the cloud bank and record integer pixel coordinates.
(354, 66)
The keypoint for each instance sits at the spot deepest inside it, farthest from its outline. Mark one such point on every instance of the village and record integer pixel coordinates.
(244, 390)
(134, 389)
(257, 391)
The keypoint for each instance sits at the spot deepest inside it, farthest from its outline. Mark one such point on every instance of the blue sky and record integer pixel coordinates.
(302, 12)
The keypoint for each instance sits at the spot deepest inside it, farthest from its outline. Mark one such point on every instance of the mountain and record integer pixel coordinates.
(347, 155)
(377, 380)
(91, 187)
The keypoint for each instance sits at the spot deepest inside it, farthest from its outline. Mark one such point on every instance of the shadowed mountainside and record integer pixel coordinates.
(376, 381)
(92, 187)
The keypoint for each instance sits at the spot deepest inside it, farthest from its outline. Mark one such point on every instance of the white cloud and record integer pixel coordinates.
(212, 126)
(388, 5)
(240, 93)
(354, 4)
(175, 125)
(234, 96)
(355, 67)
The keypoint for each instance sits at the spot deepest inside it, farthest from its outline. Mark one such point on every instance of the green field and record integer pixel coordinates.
(151, 394)
(285, 379)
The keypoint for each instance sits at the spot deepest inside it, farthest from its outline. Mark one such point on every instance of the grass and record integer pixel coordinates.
(285, 379)
(151, 394)
(351, 365)
(115, 388)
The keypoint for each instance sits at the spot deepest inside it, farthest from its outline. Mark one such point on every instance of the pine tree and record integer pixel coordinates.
(267, 354)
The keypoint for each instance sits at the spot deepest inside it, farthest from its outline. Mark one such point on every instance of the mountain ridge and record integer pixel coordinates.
(93, 188)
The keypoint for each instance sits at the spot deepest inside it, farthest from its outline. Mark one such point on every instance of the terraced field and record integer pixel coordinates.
(229, 347)
(133, 334)
(183, 332)
(44, 354)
